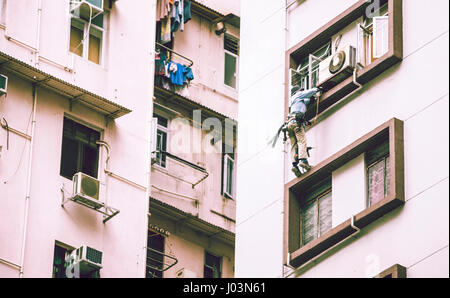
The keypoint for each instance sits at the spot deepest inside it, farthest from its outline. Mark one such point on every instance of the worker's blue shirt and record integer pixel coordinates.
(300, 100)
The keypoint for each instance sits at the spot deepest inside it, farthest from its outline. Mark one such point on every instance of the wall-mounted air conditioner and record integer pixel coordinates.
(86, 190)
(185, 273)
(336, 68)
(86, 258)
(86, 9)
(3, 84)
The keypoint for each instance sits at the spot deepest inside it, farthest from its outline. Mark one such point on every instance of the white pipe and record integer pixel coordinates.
(360, 86)
(352, 225)
(149, 145)
(28, 186)
(38, 33)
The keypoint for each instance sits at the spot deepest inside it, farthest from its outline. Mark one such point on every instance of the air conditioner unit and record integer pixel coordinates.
(87, 258)
(336, 68)
(3, 84)
(86, 9)
(184, 273)
(86, 189)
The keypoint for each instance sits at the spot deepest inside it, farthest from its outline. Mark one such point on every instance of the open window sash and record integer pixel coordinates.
(380, 36)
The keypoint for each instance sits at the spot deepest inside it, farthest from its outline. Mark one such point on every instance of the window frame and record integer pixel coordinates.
(220, 264)
(227, 157)
(226, 52)
(68, 249)
(79, 157)
(87, 35)
(235, 88)
(395, 271)
(391, 130)
(152, 233)
(314, 200)
(162, 129)
(385, 175)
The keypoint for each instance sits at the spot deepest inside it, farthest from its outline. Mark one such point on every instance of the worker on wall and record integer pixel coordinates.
(296, 122)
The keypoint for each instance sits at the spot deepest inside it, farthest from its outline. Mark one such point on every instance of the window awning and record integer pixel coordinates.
(75, 93)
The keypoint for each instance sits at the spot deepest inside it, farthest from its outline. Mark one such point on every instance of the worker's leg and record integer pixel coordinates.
(294, 145)
(294, 148)
(302, 147)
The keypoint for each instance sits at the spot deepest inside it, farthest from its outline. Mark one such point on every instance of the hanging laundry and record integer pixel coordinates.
(188, 75)
(160, 63)
(176, 73)
(177, 15)
(162, 9)
(187, 10)
(166, 34)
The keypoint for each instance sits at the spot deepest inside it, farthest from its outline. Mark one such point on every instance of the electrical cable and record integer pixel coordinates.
(7, 132)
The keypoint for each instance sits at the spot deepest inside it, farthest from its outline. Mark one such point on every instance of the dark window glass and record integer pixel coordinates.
(59, 258)
(155, 255)
(79, 151)
(212, 268)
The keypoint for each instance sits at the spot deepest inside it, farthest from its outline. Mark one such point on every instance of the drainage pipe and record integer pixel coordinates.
(28, 185)
(38, 33)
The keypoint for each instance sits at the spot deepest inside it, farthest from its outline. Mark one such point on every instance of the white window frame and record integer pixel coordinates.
(376, 38)
(98, 32)
(157, 128)
(227, 158)
(236, 74)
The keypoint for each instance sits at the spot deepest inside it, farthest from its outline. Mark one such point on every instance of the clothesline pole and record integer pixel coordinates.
(172, 51)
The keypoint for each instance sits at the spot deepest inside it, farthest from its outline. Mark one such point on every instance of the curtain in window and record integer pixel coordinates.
(378, 184)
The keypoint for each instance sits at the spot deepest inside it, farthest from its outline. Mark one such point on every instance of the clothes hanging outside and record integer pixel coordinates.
(172, 14)
(180, 74)
(169, 74)
(162, 9)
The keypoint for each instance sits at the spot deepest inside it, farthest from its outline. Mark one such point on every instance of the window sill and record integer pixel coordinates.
(344, 230)
(391, 130)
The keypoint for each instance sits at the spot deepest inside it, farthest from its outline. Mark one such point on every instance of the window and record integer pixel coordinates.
(378, 173)
(231, 46)
(79, 153)
(155, 255)
(373, 37)
(86, 38)
(212, 268)
(60, 270)
(378, 49)
(161, 140)
(315, 215)
(301, 76)
(227, 170)
(310, 230)
(59, 260)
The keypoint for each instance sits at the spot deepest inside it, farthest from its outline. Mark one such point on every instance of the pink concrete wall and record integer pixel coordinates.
(128, 137)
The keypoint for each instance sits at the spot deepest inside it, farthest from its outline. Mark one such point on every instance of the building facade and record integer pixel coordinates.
(79, 97)
(378, 188)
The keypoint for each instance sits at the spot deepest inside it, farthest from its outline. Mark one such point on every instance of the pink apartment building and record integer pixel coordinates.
(117, 138)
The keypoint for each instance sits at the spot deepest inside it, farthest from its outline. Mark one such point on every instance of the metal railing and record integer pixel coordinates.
(159, 262)
(173, 53)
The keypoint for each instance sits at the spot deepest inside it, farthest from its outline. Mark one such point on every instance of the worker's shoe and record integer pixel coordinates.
(304, 164)
(296, 171)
